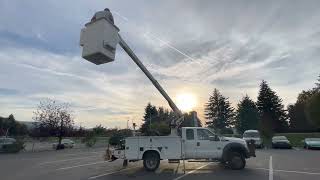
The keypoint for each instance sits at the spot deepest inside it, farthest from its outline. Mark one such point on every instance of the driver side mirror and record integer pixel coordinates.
(214, 138)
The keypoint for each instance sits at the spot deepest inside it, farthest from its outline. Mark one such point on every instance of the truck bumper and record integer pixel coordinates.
(251, 152)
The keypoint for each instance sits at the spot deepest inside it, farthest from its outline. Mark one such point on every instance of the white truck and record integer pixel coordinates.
(195, 143)
(99, 39)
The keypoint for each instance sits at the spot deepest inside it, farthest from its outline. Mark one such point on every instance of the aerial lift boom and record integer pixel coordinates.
(99, 40)
(175, 122)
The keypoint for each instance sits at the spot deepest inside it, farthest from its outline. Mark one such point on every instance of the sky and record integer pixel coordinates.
(189, 46)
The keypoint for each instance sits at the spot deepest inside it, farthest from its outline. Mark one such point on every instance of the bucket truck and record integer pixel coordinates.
(99, 39)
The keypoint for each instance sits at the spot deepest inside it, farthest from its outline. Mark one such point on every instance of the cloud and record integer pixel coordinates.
(7, 92)
(189, 46)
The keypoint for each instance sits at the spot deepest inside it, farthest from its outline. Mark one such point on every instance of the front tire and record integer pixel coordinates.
(236, 161)
(151, 161)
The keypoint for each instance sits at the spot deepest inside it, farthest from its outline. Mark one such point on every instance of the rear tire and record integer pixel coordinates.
(151, 161)
(236, 161)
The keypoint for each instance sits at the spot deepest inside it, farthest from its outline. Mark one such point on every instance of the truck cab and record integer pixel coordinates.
(202, 143)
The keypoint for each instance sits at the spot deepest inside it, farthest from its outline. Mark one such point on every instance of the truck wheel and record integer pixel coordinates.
(236, 161)
(151, 161)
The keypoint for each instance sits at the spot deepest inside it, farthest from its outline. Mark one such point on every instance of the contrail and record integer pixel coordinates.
(122, 17)
(157, 38)
(169, 45)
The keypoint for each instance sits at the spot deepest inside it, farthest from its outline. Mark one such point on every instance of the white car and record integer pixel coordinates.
(253, 135)
(6, 141)
(68, 143)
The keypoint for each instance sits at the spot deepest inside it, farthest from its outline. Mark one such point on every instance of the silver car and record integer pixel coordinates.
(310, 143)
(249, 135)
(67, 143)
(6, 141)
(281, 142)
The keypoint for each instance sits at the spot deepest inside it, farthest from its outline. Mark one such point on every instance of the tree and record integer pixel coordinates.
(298, 119)
(297, 112)
(53, 119)
(313, 109)
(9, 126)
(271, 110)
(151, 114)
(99, 130)
(318, 84)
(247, 115)
(218, 111)
(188, 120)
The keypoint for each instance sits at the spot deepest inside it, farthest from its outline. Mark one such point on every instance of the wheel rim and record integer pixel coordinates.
(237, 162)
(151, 162)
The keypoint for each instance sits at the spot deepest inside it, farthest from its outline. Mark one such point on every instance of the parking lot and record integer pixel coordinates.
(89, 164)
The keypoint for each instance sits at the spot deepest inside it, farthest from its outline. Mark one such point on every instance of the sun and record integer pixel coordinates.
(186, 101)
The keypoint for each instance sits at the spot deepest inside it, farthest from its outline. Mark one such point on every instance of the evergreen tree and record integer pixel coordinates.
(247, 115)
(317, 88)
(218, 111)
(271, 110)
(150, 115)
(298, 112)
(188, 120)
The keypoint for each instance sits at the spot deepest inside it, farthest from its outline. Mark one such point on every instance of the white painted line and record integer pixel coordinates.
(190, 172)
(270, 169)
(109, 173)
(63, 160)
(298, 172)
(81, 165)
(289, 171)
(75, 154)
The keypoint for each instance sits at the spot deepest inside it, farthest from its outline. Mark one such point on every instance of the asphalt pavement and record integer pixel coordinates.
(88, 164)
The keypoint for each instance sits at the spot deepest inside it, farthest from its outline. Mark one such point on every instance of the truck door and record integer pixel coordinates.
(206, 147)
(189, 143)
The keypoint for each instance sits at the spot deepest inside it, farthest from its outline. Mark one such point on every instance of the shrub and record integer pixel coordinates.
(117, 137)
(90, 139)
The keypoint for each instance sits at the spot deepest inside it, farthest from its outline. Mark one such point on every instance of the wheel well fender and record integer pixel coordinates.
(150, 151)
(234, 147)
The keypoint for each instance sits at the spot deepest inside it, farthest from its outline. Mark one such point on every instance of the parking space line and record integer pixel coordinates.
(270, 169)
(63, 160)
(289, 171)
(298, 172)
(190, 172)
(82, 153)
(109, 173)
(81, 165)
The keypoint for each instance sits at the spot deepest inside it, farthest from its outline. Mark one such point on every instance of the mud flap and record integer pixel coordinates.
(125, 163)
(252, 148)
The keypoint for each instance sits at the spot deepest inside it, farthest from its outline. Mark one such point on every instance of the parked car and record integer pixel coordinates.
(10, 145)
(67, 143)
(6, 141)
(281, 142)
(249, 135)
(312, 143)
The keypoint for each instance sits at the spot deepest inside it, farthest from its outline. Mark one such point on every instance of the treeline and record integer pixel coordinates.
(10, 126)
(157, 120)
(268, 114)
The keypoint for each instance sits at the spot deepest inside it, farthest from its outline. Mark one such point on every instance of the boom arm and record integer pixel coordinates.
(135, 59)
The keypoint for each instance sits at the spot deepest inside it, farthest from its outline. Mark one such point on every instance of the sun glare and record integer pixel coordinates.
(186, 102)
